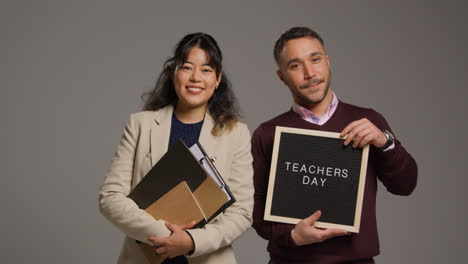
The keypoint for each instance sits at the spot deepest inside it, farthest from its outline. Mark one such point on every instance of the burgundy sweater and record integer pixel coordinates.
(395, 168)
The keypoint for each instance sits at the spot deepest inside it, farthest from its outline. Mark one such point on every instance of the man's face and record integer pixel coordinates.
(305, 69)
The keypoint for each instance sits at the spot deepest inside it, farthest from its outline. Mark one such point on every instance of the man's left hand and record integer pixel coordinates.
(363, 132)
(178, 243)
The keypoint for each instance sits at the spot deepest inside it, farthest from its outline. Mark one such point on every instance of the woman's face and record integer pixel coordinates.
(195, 81)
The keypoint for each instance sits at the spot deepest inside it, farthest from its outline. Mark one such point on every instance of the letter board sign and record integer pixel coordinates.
(312, 170)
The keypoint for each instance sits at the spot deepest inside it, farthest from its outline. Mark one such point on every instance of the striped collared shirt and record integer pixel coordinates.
(308, 116)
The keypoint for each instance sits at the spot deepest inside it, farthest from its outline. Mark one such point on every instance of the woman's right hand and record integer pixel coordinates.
(178, 243)
(188, 226)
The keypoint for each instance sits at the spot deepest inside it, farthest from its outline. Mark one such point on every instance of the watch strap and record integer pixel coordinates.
(390, 139)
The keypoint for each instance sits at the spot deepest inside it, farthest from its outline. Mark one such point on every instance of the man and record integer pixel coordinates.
(304, 67)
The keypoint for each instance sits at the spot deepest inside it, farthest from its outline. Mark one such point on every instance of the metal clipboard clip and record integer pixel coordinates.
(206, 160)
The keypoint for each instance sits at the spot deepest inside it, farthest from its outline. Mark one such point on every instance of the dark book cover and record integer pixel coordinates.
(178, 189)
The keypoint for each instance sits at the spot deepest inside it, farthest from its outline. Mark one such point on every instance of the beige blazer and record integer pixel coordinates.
(144, 141)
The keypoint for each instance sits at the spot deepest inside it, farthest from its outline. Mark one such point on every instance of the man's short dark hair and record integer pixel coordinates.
(294, 33)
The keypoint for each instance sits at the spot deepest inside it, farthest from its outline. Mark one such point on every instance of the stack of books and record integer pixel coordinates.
(183, 186)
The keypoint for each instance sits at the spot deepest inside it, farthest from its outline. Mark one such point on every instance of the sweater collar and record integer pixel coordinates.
(310, 117)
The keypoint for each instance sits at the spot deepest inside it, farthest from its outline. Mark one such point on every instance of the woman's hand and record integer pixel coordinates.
(178, 243)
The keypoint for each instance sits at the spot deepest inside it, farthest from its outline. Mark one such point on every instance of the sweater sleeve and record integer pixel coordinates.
(395, 168)
(278, 232)
(114, 204)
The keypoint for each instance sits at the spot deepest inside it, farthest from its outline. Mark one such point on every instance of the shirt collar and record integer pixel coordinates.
(308, 116)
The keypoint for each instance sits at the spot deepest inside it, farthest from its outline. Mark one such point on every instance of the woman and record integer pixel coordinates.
(192, 100)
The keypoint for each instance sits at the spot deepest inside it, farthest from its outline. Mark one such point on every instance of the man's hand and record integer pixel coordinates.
(363, 132)
(306, 233)
(178, 243)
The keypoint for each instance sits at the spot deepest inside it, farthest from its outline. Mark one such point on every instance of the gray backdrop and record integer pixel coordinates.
(72, 71)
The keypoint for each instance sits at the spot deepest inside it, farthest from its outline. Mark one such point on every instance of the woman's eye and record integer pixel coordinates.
(185, 67)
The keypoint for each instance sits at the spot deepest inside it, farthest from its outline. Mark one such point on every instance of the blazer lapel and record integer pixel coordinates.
(207, 139)
(160, 133)
(161, 130)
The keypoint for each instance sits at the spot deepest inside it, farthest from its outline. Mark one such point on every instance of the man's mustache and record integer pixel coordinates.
(312, 82)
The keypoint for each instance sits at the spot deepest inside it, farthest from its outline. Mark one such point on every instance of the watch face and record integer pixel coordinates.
(389, 135)
(390, 139)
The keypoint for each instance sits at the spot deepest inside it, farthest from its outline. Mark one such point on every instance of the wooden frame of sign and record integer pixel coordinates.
(312, 170)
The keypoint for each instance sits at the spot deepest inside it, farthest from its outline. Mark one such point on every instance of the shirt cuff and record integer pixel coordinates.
(392, 146)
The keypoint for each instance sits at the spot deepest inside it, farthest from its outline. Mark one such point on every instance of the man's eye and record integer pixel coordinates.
(207, 70)
(294, 66)
(316, 59)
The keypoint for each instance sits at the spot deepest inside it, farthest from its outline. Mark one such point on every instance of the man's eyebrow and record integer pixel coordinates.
(292, 60)
(316, 53)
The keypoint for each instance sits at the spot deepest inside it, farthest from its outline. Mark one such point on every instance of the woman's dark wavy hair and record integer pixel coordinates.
(222, 105)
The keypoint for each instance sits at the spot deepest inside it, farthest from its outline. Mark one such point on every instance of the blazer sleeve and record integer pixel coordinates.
(237, 218)
(114, 204)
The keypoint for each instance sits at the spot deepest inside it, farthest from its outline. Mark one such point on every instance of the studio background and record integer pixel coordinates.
(72, 71)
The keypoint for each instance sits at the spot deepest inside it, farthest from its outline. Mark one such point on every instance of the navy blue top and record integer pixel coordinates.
(188, 133)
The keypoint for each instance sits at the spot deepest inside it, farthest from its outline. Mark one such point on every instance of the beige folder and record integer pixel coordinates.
(180, 206)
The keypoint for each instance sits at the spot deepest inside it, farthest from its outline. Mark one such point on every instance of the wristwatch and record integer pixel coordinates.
(390, 139)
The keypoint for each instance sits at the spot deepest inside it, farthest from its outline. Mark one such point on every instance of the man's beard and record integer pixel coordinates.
(304, 100)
